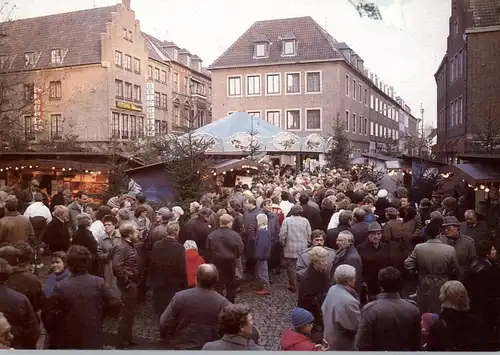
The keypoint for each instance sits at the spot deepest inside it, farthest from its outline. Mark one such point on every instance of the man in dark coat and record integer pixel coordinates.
(168, 268)
(15, 227)
(191, 319)
(126, 264)
(250, 232)
(345, 219)
(310, 213)
(22, 278)
(58, 199)
(472, 227)
(359, 228)
(347, 254)
(17, 309)
(75, 311)
(389, 314)
(198, 230)
(224, 247)
(375, 256)
(57, 235)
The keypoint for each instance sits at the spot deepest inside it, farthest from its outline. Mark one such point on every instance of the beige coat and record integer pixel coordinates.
(435, 263)
(15, 227)
(465, 248)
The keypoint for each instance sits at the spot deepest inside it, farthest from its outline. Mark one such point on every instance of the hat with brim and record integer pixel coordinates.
(450, 221)
(374, 227)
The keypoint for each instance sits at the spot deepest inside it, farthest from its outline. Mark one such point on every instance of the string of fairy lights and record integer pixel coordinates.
(53, 168)
(486, 187)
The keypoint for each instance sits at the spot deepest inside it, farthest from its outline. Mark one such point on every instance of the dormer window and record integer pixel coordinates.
(260, 50)
(289, 47)
(188, 61)
(3, 61)
(29, 59)
(56, 56)
(176, 54)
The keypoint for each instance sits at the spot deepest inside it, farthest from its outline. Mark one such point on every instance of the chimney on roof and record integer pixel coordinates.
(126, 3)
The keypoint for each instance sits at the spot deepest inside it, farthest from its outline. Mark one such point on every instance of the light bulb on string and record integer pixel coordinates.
(487, 189)
(482, 187)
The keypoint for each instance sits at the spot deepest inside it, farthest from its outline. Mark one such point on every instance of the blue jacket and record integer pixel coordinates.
(273, 226)
(263, 244)
(52, 280)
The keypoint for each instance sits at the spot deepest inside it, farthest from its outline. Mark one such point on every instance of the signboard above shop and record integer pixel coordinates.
(128, 106)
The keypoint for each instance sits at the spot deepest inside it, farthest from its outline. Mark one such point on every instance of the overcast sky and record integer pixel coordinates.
(404, 49)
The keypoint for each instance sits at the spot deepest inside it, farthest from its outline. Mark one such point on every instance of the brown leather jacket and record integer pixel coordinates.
(15, 227)
(125, 263)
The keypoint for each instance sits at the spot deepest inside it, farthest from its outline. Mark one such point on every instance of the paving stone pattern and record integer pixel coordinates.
(271, 315)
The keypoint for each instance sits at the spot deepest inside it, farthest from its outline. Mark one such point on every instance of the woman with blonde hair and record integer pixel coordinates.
(455, 330)
(262, 253)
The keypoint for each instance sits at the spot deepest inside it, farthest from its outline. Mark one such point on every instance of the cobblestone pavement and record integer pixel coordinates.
(271, 315)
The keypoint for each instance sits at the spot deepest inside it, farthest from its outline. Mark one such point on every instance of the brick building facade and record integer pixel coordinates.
(293, 74)
(102, 80)
(468, 78)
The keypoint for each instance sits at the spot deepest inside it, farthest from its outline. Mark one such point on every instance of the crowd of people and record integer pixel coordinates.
(361, 261)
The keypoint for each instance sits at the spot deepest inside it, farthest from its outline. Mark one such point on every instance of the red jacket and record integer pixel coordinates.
(293, 341)
(279, 213)
(193, 260)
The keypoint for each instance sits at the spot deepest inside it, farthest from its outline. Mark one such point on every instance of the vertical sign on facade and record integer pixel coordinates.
(150, 109)
(37, 109)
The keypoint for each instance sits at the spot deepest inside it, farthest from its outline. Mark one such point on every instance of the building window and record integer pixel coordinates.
(164, 101)
(115, 125)
(253, 85)
(29, 59)
(3, 61)
(289, 47)
(347, 85)
(293, 83)
(128, 91)
(365, 126)
(119, 88)
(346, 121)
(455, 27)
(371, 128)
(354, 89)
(55, 89)
(176, 82)
(260, 50)
(125, 126)
(313, 82)
(255, 114)
(360, 91)
(273, 84)
(29, 92)
(366, 97)
(274, 118)
(234, 86)
(29, 128)
(56, 126)
(353, 123)
(56, 56)
(157, 99)
(360, 126)
(133, 127)
(137, 93)
(313, 119)
(293, 120)
(150, 72)
(128, 62)
(137, 66)
(163, 76)
(460, 111)
(118, 59)
(177, 112)
(157, 74)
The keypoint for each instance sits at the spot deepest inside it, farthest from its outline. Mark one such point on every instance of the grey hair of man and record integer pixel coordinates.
(173, 229)
(345, 217)
(127, 229)
(60, 210)
(123, 215)
(359, 214)
(83, 220)
(471, 213)
(347, 235)
(38, 197)
(344, 274)
(225, 220)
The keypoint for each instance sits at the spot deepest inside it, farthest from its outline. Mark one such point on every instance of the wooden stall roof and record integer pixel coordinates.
(219, 167)
(474, 173)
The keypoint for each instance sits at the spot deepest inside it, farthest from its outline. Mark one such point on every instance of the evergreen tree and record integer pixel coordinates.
(338, 146)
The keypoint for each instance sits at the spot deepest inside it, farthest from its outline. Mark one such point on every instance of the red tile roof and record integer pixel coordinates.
(79, 32)
(313, 44)
(485, 13)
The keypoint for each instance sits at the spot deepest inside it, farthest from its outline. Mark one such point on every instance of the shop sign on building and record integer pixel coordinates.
(128, 106)
(150, 109)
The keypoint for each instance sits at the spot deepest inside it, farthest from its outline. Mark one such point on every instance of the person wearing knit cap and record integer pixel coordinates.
(436, 263)
(298, 336)
(160, 212)
(193, 260)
